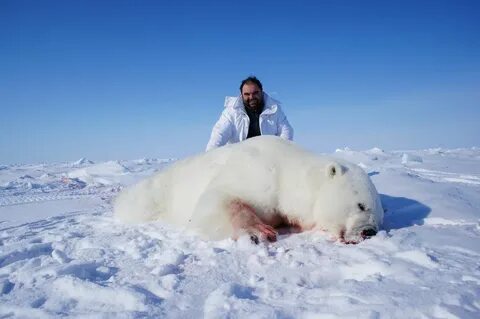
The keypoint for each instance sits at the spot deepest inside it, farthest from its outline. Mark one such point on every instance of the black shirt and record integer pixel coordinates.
(254, 127)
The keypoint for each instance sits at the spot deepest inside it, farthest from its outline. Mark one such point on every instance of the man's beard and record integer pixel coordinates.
(254, 104)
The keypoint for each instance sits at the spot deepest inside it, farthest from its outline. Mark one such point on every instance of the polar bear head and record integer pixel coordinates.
(347, 203)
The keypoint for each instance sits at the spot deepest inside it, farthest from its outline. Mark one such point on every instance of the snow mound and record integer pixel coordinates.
(104, 173)
(376, 153)
(410, 158)
(150, 161)
(346, 149)
(82, 161)
(435, 151)
(47, 176)
(20, 185)
(365, 159)
(376, 150)
(143, 161)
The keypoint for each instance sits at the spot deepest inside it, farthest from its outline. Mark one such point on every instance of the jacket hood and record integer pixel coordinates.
(236, 102)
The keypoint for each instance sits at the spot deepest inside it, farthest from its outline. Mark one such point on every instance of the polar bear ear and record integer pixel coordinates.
(334, 169)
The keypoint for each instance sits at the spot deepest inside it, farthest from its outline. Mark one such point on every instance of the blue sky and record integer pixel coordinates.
(133, 79)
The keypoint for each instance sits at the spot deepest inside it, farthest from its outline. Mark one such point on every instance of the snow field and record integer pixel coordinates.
(75, 260)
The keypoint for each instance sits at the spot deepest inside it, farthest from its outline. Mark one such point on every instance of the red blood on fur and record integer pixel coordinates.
(244, 216)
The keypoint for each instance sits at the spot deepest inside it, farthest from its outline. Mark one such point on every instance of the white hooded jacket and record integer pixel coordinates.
(232, 127)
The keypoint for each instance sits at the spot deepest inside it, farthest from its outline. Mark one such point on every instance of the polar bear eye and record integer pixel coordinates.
(361, 207)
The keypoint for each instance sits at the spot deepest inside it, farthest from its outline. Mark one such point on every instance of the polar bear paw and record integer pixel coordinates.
(245, 219)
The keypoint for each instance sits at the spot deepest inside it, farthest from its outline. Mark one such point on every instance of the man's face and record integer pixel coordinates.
(252, 96)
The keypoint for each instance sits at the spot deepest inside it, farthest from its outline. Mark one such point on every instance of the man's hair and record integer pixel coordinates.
(249, 80)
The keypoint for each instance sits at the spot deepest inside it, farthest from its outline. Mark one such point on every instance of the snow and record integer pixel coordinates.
(409, 158)
(82, 161)
(103, 173)
(62, 254)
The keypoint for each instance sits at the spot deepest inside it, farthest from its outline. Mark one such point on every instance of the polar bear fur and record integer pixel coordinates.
(266, 175)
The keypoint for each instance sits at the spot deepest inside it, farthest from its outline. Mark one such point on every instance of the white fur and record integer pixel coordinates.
(266, 172)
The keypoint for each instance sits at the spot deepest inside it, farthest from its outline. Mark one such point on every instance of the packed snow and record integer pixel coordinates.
(62, 253)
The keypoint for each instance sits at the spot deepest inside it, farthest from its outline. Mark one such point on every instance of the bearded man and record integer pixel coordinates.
(250, 114)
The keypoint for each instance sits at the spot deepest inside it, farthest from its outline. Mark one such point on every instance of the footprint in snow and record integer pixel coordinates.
(88, 271)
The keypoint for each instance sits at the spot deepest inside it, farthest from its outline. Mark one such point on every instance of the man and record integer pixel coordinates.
(251, 114)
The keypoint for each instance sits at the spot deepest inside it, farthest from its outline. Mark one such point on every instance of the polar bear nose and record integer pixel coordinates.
(369, 232)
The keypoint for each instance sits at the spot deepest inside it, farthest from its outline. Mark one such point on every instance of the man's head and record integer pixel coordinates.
(252, 93)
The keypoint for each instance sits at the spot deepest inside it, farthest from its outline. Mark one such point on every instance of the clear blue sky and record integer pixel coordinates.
(132, 79)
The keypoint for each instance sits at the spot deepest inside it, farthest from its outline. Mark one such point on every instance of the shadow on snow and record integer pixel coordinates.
(402, 212)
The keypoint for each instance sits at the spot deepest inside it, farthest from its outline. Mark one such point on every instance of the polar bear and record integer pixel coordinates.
(256, 187)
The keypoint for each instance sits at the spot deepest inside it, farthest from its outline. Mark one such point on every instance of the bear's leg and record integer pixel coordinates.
(244, 217)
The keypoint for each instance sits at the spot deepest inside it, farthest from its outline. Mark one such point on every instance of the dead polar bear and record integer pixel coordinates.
(255, 187)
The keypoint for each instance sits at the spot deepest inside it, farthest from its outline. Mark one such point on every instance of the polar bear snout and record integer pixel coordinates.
(356, 235)
(368, 232)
